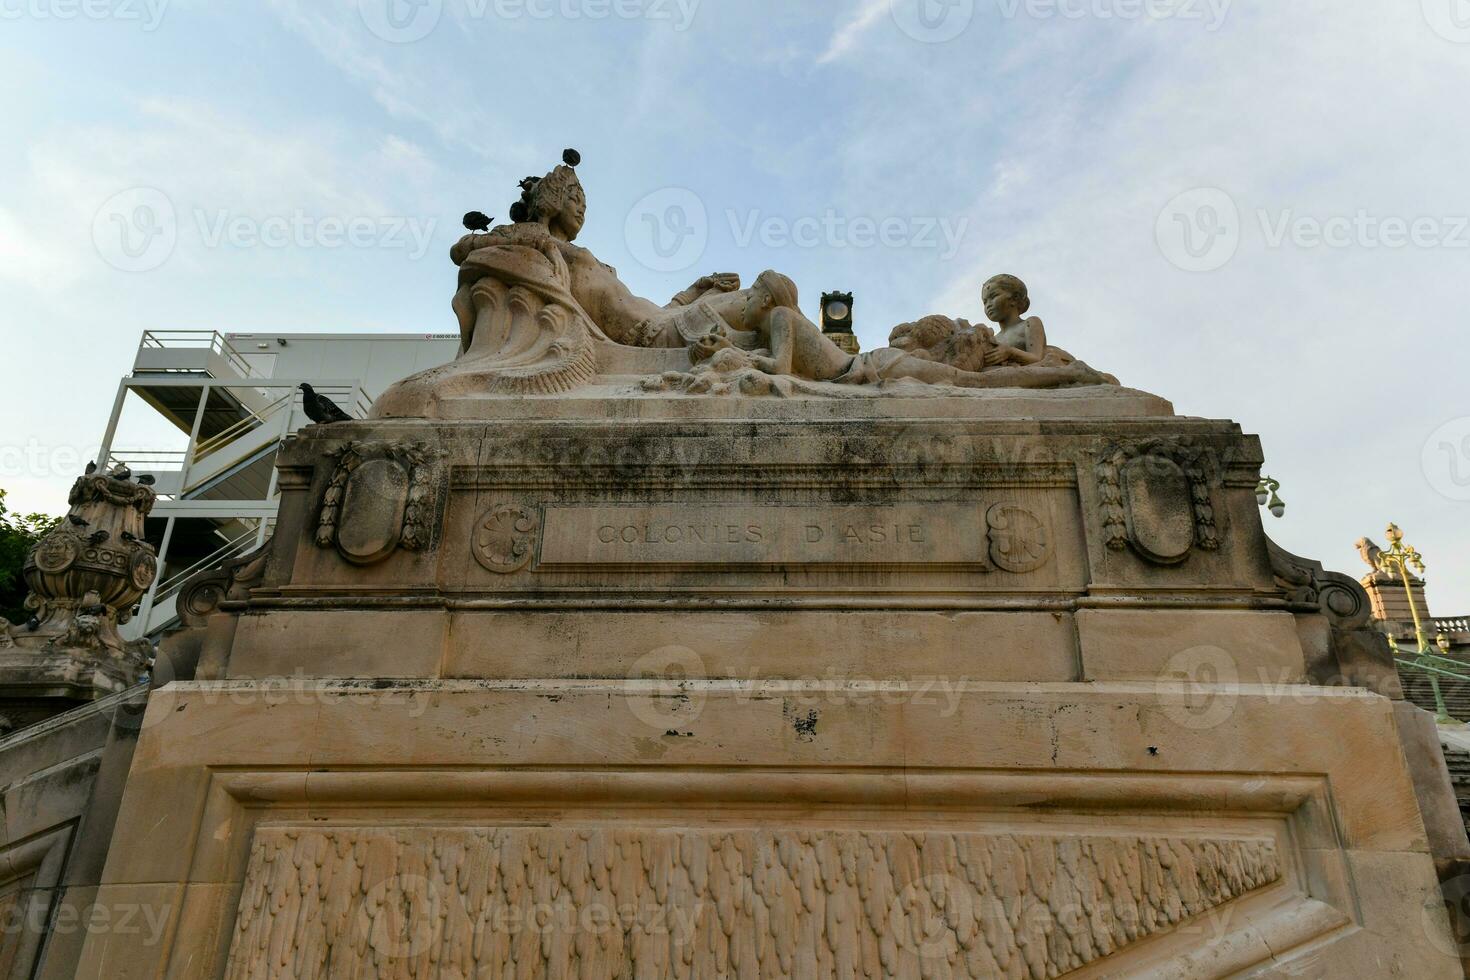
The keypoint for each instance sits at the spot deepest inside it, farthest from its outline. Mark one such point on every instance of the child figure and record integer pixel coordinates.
(1018, 341)
(1021, 340)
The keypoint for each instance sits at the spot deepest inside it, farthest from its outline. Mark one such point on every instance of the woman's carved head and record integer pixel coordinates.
(556, 200)
(769, 291)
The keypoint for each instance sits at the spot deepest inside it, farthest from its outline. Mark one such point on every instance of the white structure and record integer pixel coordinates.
(233, 398)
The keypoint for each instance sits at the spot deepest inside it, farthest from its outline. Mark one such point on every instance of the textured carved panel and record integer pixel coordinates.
(453, 902)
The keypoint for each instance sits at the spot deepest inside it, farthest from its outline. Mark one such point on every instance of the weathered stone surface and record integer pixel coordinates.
(605, 903)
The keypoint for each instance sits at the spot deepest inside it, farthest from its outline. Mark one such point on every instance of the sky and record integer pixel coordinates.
(1255, 208)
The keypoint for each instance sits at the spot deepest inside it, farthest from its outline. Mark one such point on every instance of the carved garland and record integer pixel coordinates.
(417, 514)
(1189, 458)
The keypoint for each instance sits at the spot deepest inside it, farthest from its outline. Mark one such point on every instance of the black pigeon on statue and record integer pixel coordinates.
(320, 408)
(477, 221)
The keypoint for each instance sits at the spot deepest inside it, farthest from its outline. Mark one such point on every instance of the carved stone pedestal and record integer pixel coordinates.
(665, 690)
(85, 576)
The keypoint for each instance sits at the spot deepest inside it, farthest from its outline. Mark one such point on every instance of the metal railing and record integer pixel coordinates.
(165, 589)
(146, 459)
(349, 397)
(1434, 667)
(236, 545)
(210, 340)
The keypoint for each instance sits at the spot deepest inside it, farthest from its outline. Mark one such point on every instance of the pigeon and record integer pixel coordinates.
(320, 408)
(78, 521)
(571, 157)
(97, 537)
(91, 468)
(33, 624)
(121, 472)
(147, 479)
(477, 221)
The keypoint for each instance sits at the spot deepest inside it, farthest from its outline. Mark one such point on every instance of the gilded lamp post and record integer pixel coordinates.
(1396, 561)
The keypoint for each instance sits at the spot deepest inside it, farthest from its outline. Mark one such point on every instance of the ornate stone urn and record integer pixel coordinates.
(85, 578)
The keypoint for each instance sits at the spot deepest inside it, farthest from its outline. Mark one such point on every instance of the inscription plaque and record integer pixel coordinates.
(938, 534)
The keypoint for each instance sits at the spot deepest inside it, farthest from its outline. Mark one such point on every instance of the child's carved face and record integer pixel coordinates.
(1000, 303)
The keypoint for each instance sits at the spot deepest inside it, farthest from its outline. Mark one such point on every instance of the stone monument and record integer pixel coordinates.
(676, 641)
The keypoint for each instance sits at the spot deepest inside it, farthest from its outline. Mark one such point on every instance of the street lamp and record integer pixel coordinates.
(1266, 496)
(1397, 561)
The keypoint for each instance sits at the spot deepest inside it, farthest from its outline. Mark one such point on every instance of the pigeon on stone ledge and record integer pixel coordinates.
(320, 408)
(477, 221)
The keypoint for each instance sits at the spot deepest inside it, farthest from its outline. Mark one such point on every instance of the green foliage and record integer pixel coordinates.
(18, 533)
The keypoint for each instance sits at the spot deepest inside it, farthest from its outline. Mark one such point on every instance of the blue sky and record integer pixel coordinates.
(1256, 209)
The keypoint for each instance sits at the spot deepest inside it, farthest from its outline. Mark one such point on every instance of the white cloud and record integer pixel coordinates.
(845, 39)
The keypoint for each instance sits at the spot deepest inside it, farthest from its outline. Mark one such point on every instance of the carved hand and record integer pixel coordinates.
(725, 282)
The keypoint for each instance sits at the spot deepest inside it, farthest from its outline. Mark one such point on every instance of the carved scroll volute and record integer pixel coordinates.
(381, 497)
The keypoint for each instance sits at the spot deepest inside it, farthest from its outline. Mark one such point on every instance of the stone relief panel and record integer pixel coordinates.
(382, 496)
(441, 902)
(1156, 497)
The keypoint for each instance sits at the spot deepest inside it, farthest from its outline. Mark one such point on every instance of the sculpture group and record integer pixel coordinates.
(539, 314)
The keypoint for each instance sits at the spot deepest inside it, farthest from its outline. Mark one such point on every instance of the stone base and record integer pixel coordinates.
(37, 682)
(607, 829)
(1010, 685)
